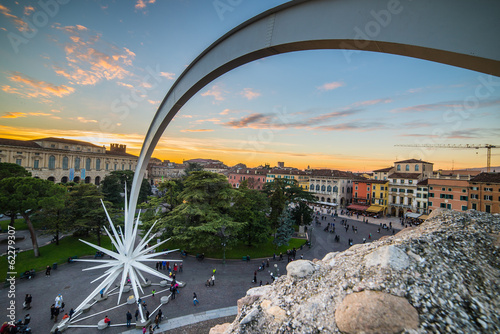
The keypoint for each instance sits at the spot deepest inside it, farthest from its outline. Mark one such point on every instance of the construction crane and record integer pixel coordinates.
(488, 148)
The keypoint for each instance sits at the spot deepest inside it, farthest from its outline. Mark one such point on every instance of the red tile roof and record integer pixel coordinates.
(67, 141)
(404, 176)
(383, 170)
(486, 178)
(20, 143)
(413, 161)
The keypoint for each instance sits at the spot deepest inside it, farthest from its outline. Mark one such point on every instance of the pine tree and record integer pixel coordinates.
(285, 230)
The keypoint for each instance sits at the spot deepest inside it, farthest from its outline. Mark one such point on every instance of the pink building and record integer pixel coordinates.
(255, 177)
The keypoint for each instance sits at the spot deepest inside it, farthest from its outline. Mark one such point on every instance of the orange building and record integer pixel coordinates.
(484, 192)
(450, 193)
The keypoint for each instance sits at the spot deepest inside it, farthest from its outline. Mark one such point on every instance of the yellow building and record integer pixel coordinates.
(290, 176)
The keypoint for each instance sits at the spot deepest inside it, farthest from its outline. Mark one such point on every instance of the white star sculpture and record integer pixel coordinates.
(127, 258)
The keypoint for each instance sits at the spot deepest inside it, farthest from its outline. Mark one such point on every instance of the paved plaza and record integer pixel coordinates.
(232, 281)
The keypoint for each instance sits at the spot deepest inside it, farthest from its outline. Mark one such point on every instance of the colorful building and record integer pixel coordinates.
(484, 192)
(255, 177)
(332, 187)
(370, 196)
(290, 176)
(449, 193)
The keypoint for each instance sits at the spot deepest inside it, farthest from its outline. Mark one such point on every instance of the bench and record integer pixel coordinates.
(245, 258)
(28, 274)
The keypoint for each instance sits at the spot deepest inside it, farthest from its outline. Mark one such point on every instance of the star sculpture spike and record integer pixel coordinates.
(127, 259)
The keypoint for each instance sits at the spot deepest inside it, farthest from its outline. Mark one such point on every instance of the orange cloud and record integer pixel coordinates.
(216, 92)
(249, 93)
(20, 24)
(84, 120)
(15, 114)
(141, 4)
(197, 130)
(28, 10)
(32, 88)
(168, 75)
(330, 86)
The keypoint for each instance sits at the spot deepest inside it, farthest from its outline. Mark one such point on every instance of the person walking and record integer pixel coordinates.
(71, 312)
(52, 311)
(195, 299)
(151, 330)
(153, 293)
(213, 279)
(180, 267)
(157, 321)
(27, 301)
(47, 271)
(144, 330)
(136, 314)
(129, 318)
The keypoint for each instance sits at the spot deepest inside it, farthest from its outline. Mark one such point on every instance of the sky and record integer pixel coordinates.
(97, 71)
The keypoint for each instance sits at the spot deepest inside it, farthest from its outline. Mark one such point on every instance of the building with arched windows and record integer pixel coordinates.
(332, 186)
(64, 160)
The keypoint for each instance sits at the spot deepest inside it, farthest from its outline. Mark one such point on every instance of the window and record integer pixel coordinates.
(474, 196)
(431, 194)
(52, 162)
(410, 181)
(417, 167)
(77, 163)
(356, 195)
(475, 188)
(87, 164)
(373, 195)
(398, 167)
(329, 188)
(19, 152)
(355, 187)
(430, 203)
(464, 207)
(35, 163)
(368, 189)
(474, 206)
(65, 163)
(374, 187)
(52, 145)
(129, 166)
(394, 189)
(463, 198)
(368, 197)
(443, 189)
(19, 161)
(407, 168)
(35, 153)
(464, 190)
(449, 189)
(431, 188)
(98, 164)
(116, 166)
(442, 196)
(488, 189)
(442, 205)
(409, 191)
(317, 187)
(419, 195)
(488, 198)
(66, 147)
(323, 188)
(487, 208)
(107, 166)
(448, 206)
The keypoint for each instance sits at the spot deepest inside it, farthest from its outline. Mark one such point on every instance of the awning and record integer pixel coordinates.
(375, 208)
(412, 215)
(423, 217)
(357, 207)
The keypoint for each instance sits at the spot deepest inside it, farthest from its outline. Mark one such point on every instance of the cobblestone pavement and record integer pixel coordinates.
(233, 279)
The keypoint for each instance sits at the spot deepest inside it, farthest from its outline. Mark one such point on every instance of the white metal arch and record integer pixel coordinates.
(455, 32)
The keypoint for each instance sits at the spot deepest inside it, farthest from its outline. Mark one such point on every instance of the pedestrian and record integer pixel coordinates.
(52, 311)
(27, 301)
(56, 313)
(71, 312)
(254, 277)
(107, 320)
(136, 314)
(213, 279)
(144, 330)
(172, 290)
(157, 265)
(157, 321)
(65, 316)
(207, 283)
(195, 299)
(47, 271)
(213, 271)
(151, 330)
(153, 293)
(147, 315)
(129, 318)
(180, 267)
(27, 319)
(160, 313)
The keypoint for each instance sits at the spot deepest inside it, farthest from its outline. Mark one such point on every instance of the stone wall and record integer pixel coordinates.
(443, 276)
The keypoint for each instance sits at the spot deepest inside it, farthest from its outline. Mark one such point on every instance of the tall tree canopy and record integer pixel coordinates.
(203, 218)
(12, 170)
(27, 196)
(251, 206)
(113, 186)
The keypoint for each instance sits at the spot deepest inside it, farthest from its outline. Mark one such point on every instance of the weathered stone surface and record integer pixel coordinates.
(451, 276)
(375, 313)
(330, 258)
(247, 300)
(388, 256)
(300, 268)
(259, 291)
(219, 329)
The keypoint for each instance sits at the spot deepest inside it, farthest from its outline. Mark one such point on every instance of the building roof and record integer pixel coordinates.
(67, 141)
(383, 170)
(124, 154)
(404, 176)
(20, 143)
(372, 181)
(334, 173)
(413, 161)
(286, 171)
(423, 182)
(487, 178)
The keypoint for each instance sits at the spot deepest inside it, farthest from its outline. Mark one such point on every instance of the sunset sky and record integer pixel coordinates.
(98, 70)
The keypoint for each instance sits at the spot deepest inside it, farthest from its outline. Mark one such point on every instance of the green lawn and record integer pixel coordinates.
(19, 224)
(237, 252)
(68, 247)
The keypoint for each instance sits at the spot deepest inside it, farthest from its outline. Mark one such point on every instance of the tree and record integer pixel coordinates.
(171, 190)
(27, 196)
(250, 206)
(55, 218)
(276, 192)
(302, 213)
(12, 170)
(202, 219)
(84, 204)
(285, 230)
(192, 167)
(113, 186)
